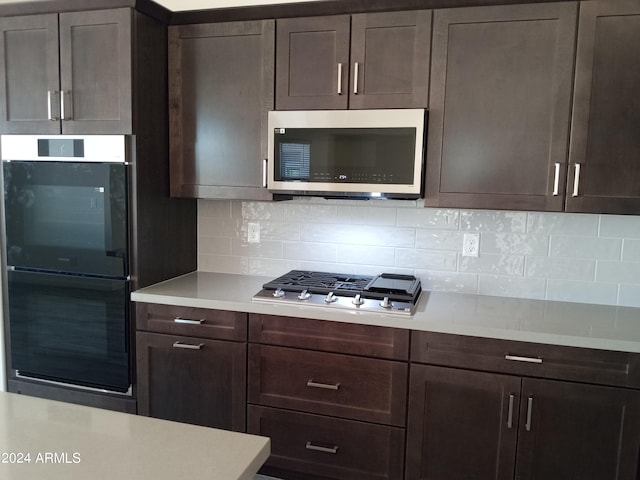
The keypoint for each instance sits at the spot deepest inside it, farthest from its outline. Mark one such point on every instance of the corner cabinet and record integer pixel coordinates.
(369, 60)
(500, 106)
(604, 169)
(483, 408)
(67, 73)
(192, 365)
(221, 80)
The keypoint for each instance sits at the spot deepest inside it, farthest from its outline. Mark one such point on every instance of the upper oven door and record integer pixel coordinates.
(66, 216)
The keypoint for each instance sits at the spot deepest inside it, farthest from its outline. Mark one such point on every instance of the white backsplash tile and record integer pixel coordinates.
(493, 264)
(382, 256)
(519, 287)
(425, 259)
(562, 224)
(443, 219)
(513, 243)
(557, 256)
(327, 252)
(585, 247)
(631, 250)
(493, 221)
(439, 239)
(561, 268)
(620, 226)
(629, 295)
(583, 292)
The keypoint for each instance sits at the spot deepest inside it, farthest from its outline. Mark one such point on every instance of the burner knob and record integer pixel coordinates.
(304, 295)
(385, 303)
(279, 293)
(330, 298)
(357, 300)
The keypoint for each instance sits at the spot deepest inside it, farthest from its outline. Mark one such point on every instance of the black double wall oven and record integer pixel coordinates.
(66, 237)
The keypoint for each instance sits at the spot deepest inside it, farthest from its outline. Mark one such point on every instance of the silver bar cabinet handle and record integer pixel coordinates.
(189, 321)
(188, 346)
(333, 450)
(62, 113)
(576, 179)
(339, 78)
(356, 67)
(264, 173)
(49, 105)
(326, 386)
(527, 425)
(516, 358)
(556, 180)
(510, 414)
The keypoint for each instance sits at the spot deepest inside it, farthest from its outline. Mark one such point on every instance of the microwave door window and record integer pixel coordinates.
(346, 155)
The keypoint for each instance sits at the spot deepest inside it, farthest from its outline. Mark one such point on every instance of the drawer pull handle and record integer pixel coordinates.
(516, 358)
(188, 321)
(188, 346)
(510, 414)
(326, 386)
(527, 425)
(333, 450)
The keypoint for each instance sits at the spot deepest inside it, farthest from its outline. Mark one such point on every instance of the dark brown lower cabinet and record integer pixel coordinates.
(458, 426)
(314, 447)
(469, 425)
(192, 380)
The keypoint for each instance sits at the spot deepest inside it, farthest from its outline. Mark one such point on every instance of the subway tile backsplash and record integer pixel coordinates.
(556, 256)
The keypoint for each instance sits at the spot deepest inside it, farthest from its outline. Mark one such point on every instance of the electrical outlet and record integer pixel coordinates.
(253, 233)
(470, 244)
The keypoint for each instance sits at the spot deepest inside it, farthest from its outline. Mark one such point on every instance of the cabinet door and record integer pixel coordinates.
(569, 430)
(192, 380)
(390, 55)
(220, 91)
(500, 105)
(95, 72)
(315, 447)
(312, 63)
(29, 81)
(461, 424)
(605, 138)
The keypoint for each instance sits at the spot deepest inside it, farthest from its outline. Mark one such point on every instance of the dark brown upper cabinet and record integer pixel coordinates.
(220, 91)
(500, 104)
(604, 168)
(369, 60)
(68, 73)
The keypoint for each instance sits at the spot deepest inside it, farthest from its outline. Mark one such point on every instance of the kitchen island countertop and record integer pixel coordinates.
(54, 440)
(603, 327)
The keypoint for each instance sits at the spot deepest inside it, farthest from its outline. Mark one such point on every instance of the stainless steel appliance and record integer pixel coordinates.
(384, 293)
(67, 251)
(346, 153)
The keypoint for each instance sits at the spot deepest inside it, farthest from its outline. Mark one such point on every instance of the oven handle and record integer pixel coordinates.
(188, 346)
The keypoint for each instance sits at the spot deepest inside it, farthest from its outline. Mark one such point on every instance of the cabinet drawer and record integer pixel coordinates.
(194, 322)
(320, 447)
(366, 340)
(338, 385)
(529, 359)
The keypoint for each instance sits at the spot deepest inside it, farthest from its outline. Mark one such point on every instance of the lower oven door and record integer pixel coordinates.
(70, 329)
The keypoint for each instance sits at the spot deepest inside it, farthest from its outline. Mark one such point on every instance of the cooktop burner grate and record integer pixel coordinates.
(319, 282)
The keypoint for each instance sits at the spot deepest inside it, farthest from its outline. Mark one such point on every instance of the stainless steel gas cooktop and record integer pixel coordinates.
(384, 293)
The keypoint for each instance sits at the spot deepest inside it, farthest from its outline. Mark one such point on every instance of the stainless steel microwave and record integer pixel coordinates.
(347, 153)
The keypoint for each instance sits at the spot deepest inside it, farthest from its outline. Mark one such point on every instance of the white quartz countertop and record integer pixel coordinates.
(556, 323)
(44, 439)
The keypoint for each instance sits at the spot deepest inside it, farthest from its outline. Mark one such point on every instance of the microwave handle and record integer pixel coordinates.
(264, 173)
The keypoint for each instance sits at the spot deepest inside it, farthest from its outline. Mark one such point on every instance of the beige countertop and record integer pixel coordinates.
(557, 323)
(69, 442)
